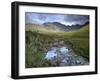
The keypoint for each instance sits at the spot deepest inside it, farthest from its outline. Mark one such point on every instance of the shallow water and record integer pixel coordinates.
(64, 56)
(64, 50)
(53, 52)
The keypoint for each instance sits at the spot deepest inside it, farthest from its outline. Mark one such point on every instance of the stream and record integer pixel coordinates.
(61, 55)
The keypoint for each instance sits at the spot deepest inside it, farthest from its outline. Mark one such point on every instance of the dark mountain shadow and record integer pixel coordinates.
(64, 27)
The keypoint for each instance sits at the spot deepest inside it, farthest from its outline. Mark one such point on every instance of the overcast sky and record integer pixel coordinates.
(67, 19)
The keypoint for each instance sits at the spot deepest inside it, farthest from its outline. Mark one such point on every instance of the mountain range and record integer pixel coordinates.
(64, 27)
(56, 26)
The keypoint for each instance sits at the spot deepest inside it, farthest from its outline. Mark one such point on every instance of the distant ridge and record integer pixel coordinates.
(64, 27)
(55, 26)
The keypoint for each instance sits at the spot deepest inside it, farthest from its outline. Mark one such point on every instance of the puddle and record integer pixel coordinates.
(54, 50)
(51, 54)
(64, 50)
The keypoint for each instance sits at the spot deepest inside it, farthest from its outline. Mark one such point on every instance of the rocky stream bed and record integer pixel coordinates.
(61, 55)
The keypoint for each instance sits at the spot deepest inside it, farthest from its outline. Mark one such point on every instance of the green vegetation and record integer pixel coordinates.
(79, 41)
(38, 42)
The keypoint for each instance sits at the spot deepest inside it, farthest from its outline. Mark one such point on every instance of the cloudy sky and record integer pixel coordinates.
(67, 19)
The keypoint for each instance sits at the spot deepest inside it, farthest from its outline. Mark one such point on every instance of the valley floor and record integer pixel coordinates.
(45, 49)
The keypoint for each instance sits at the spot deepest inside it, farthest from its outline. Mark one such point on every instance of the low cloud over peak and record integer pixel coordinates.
(67, 19)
